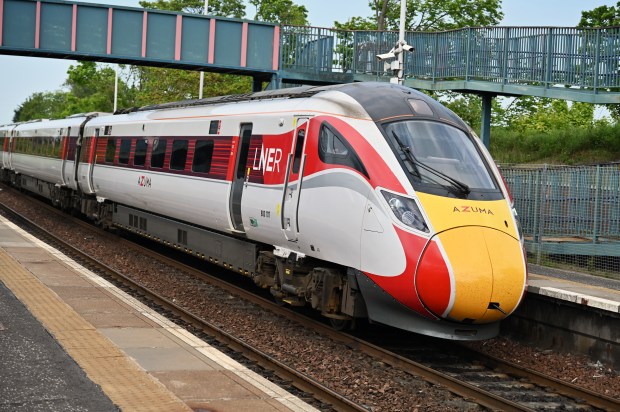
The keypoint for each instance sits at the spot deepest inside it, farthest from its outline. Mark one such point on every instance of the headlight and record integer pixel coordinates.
(406, 210)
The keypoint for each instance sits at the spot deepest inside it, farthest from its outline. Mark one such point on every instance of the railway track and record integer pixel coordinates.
(491, 383)
(527, 389)
(285, 373)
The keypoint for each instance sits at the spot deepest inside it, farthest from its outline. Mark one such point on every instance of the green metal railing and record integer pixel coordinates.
(541, 56)
(569, 210)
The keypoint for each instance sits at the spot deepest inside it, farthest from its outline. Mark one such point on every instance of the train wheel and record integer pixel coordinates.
(341, 324)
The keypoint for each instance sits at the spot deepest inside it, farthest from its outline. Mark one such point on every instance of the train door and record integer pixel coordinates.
(85, 162)
(293, 181)
(63, 155)
(74, 152)
(8, 160)
(6, 144)
(240, 177)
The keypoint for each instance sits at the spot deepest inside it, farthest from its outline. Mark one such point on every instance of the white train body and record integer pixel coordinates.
(309, 191)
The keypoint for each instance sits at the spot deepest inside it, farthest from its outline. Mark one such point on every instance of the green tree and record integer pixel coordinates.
(545, 115)
(224, 8)
(281, 12)
(47, 105)
(158, 85)
(426, 15)
(468, 106)
(89, 88)
(603, 16)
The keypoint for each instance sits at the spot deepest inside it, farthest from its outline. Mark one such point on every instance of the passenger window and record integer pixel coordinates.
(179, 155)
(202, 156)
(50, 146)
(159, 153)
(110, 150)
(139, 158)
(334, 149)
(72, 148)
(123, 156)
(56, 143)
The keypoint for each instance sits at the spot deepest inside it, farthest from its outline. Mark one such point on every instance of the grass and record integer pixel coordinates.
(577, 146)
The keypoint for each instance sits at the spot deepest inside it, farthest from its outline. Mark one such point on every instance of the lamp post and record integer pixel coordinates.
(202, 74)
(115, 88)
(397, 66)
(401, 41)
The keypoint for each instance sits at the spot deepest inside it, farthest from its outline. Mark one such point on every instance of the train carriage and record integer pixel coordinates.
(362, 200)
(6, 132)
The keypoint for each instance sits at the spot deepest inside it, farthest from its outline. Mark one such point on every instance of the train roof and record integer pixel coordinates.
(380, 100)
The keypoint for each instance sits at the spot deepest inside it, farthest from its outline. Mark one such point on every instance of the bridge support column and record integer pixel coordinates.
(275, 82)
(257, 84)
(485, 128)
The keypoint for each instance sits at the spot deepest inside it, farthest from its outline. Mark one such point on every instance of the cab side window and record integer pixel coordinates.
(335, 149)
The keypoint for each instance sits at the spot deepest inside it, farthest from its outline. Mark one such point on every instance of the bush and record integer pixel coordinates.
(597, 144)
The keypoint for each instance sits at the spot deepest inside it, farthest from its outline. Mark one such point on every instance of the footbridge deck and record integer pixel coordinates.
(580, 64)
(558, 62)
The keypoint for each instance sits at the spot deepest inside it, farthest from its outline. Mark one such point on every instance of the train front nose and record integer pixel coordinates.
(484, 269)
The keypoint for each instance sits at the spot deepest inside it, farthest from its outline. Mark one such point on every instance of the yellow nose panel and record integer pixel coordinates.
(473, 274)
(509, 273)
(488, 267)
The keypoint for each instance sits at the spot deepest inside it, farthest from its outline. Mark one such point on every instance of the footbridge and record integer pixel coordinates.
(557, 62)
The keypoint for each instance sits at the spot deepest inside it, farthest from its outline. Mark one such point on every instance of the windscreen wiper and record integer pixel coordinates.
(460, 187)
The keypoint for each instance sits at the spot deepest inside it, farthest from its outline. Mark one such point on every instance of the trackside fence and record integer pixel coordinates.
(569, 214)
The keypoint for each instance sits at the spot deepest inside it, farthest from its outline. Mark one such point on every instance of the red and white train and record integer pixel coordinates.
(365, 200)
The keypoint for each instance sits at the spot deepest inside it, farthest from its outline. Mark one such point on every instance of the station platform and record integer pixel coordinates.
(71, 341)
(580, 288)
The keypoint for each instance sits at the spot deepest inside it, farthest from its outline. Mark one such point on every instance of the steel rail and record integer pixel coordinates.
(564, 388)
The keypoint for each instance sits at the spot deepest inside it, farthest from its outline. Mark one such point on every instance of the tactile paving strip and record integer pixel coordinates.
(124, 383)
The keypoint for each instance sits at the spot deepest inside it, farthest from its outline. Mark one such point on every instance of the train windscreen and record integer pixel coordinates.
(442, 159)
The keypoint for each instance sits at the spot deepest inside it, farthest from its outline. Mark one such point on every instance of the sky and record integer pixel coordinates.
(20, 77)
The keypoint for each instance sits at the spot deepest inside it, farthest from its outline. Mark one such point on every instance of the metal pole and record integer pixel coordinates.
(202, 74)
(115, 88)
(542, 203)
(401, 41)
(597, 205)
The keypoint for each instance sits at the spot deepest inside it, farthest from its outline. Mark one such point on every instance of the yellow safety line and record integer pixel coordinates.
(122, 380)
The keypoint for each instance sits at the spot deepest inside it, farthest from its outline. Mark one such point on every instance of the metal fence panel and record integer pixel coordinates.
(569, 212)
